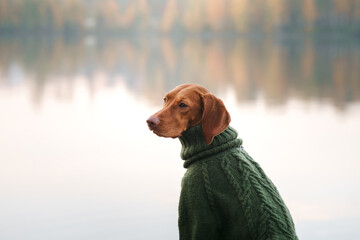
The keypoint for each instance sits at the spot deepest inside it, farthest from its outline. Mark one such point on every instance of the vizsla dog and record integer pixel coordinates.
(224, 193)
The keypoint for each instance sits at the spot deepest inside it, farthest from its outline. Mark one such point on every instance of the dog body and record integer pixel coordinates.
(225, 194)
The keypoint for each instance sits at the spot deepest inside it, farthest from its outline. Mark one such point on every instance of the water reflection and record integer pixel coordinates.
(275, 69)
(86, 166)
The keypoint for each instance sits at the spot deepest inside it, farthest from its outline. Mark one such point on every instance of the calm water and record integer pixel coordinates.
(78, 162)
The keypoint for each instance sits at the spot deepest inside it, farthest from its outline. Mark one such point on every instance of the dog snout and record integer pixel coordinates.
(153, 122)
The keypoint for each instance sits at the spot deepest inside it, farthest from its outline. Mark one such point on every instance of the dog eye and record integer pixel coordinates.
(164, 100)
(182, 105)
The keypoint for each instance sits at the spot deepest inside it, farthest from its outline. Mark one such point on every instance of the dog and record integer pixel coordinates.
(224, 193)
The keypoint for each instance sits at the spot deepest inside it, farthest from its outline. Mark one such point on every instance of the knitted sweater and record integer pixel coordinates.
(226, 195)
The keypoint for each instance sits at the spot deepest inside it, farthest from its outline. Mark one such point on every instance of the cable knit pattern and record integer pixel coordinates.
(226, 195)
(244, 195)
(209, 192)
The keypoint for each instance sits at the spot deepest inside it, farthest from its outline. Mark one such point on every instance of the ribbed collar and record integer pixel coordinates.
(194, 147)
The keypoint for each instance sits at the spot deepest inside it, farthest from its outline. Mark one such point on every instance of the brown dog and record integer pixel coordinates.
(186, 106)
(224, 193)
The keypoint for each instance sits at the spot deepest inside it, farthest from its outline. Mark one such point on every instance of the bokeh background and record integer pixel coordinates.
(78, 79)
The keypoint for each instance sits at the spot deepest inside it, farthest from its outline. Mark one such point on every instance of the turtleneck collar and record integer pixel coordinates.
(194, 147)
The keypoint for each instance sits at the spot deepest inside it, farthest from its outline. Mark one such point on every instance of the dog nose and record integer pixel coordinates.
(153, 122)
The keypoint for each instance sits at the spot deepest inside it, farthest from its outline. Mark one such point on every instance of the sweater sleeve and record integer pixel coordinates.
(197, 220)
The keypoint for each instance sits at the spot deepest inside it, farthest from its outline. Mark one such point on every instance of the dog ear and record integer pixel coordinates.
(215, 118)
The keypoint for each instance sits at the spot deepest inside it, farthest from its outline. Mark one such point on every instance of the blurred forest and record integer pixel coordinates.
(315, 53)
(174, 16)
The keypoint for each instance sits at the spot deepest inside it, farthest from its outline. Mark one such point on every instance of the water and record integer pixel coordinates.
(78, 162)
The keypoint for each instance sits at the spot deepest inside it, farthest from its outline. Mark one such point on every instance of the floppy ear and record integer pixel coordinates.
(215, 118)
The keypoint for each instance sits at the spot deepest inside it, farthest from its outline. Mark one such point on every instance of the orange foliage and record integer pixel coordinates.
(170, 14)
(309, 13)
(215, 13)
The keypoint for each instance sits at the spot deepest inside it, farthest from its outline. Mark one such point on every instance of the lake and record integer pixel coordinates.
(78, 161)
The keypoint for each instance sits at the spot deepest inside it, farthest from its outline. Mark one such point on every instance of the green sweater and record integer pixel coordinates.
(226, 195)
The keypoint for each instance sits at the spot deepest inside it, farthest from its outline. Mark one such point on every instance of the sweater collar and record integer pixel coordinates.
(194, 147)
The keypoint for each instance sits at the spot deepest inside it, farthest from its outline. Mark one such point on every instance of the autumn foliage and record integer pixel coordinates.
(166, 16)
